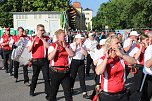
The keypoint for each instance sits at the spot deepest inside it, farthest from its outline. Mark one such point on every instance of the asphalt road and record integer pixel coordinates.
(12, 91)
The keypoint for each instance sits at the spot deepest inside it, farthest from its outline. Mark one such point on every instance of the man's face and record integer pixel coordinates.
(20, 32)
(61, 37)
(133, 37)
(25, 32)
(7, 32)
(91, 37)
(41, 30)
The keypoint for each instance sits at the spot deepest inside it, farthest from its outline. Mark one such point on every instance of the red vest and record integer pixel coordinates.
(141, 57)
(113, 78)
(16, 38)
(5, 40)
(61, 58)
(39, 51)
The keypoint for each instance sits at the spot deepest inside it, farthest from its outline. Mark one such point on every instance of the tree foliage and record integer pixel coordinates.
(121, 14)
(6, 6)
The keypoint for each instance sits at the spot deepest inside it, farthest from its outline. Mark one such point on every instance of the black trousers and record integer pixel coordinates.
(117, 97)
(38, 65)
(25, 71)
(1, 53)
(78, 66)
(57, 79)
(89, 62)
(7, 57)
(11, 66)
(147, 89)
(138, 80)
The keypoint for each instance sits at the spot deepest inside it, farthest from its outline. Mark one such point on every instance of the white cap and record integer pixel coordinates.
(134, 33)
(79, 36)
(102, 42)
(90, 34)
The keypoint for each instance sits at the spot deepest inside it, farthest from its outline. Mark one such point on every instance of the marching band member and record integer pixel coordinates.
(90, 44)
(138, 54)
(147, 88)
(77, 63)
(112, 69)
(38, 46)
(7, 50)
(98, 54)
(58, 54)
(129, 45)
(14, 41)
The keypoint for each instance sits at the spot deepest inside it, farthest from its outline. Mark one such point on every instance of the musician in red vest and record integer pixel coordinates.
(14, 42)
(38, 46)
(58, 54)
(112, 68)
(7, 50)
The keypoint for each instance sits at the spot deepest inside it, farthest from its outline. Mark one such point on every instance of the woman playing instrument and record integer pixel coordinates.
(112, 68)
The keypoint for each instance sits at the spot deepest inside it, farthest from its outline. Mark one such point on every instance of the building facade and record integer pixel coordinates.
(88, 18)
(29, 20)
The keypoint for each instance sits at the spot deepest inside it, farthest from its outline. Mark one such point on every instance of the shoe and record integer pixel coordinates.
(86, 96)
(16, 80)
(3, 67)
(72, 91)
(27, 83)
(6, 71)
(32, 93)
(11, 74)
(47, 98)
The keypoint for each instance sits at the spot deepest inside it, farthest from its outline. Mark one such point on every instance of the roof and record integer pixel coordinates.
(77, 4)
(87, 9)
(37, 12)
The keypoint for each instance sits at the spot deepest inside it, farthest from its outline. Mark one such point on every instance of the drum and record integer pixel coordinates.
(21, 53)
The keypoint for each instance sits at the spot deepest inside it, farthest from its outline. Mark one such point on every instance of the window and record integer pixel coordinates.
(87, 13)
(22, 16)
(17, 17)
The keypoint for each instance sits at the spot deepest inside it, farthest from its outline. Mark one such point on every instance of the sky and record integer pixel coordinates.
(92, 4)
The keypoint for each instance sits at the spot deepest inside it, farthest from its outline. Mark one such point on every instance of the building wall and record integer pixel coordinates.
(88, 16)
(30, 21)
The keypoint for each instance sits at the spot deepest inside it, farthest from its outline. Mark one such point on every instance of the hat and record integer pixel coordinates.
(8, 29)
(90, 34)
(102, 42)
(79, 36)
(134, 33)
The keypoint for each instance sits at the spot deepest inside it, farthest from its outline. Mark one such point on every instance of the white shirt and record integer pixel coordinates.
(126, 44)
(147, 56)
(98, 54)
(78, 52)
(91, 45)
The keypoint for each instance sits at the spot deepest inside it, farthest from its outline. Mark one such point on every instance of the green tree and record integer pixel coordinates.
(89, 27)
(120, 14)
(7, 6)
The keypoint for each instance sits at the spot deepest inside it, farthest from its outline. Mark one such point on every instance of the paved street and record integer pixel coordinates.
(11, 91)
